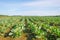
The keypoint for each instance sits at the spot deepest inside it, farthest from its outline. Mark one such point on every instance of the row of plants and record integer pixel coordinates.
(43, 28)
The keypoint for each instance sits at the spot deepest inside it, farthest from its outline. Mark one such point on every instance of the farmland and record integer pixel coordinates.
(29, 27)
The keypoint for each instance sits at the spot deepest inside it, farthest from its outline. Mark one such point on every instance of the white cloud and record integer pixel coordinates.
(33, 13)
(40, 13)
(45, 3)
(13, 8)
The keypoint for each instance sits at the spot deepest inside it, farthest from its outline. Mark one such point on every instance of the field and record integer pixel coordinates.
(29, 27)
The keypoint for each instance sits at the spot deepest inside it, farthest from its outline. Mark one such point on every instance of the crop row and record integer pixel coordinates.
(45, 28)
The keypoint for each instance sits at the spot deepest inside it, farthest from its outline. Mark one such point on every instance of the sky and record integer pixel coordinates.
(30, 7)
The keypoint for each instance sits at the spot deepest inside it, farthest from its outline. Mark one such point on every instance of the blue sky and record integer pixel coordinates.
(30, 7)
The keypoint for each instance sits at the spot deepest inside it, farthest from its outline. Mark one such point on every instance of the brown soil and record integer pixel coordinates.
(7, 38)
(23, 37)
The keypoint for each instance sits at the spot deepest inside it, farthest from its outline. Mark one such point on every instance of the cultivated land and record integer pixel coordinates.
(29, 27)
